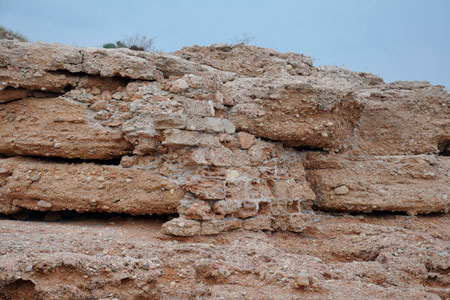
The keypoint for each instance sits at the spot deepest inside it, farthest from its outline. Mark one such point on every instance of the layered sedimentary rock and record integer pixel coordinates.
(412, 184)
(339, 257)
(42, 185)
(221, 135)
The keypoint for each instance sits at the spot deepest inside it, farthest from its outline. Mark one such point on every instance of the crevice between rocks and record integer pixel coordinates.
(18, 94)
(71, 215)
(444, 148)
(62, 160)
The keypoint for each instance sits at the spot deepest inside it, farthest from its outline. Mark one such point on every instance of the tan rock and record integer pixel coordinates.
(63, 186)
(205, 124)
(413, 184)
(206, 189)
(179, 86)
(248, 60)
(182, 227)
(248, 209)
(196, 210)
(166, 121)
(175, 137)
(302, 280)
(225, 207)
(314, 113)
(56, 127)
(11, 94)
(198, 108)
(213, 227)
(404, 118)
(246, 140)
(341, 190)
(258, 223)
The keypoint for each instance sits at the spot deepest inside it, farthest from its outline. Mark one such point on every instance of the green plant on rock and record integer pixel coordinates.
(136, 42)
(8, 34)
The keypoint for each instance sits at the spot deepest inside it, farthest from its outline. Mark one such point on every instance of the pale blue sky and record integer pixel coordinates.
(397, 39)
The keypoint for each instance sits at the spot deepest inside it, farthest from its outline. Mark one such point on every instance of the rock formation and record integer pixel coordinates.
(226, 138)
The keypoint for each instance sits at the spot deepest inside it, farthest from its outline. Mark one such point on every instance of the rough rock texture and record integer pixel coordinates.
(413, 184)
(56, 127)
(223, 139)
(42, 185)
(339, 257)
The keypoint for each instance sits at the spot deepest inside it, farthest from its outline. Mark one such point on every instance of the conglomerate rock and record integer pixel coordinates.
(224, 140)
(338, 257)
(41, 185)
(409, 183)
(229, 128)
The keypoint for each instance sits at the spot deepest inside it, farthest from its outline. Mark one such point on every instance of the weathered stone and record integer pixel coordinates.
(145, 146)
(341, 190)
(225, 207)
(198, 108)
(11, 94)
(220, 157)
(207, 124)
(232, 175)
(44, 204)
(411, 118)
(299, 221)
(175, 137)
(260, 153)
(302, 280)
(56, 127)
(99, 105)
(102, 105)
(206, 189)
(314, 113)
(383, 183)
(128, 161)
(196, 210)
(182, 227)
(137, 192)
(179, 86)
(106, 104)
(246, 140)
(258, 223)
(213, 227)
(248, 60)
(228, 126)
(240, 158)
(167, 121)
(281, 190)
(248, 209)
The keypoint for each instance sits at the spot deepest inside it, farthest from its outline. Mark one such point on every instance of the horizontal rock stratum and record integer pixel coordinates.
(226, 136)
(344, 178)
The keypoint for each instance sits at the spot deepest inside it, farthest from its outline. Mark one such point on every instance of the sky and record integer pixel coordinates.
(396, 39)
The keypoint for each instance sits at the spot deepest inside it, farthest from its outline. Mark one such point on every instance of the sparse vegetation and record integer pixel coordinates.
(242, 39)
(136, 42)
(8, 34)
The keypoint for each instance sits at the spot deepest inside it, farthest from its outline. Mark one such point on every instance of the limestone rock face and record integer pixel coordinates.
(244, 150)
(410, 117)
(59, 128)
(407, 183)
(226, 136)
(40, 185)
(298, 111)
(249, 60)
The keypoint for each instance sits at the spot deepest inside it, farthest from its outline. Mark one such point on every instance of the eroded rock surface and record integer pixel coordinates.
(226, 139)
(229, 127)
(40, 185)
(406, 183)
(338, 257)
